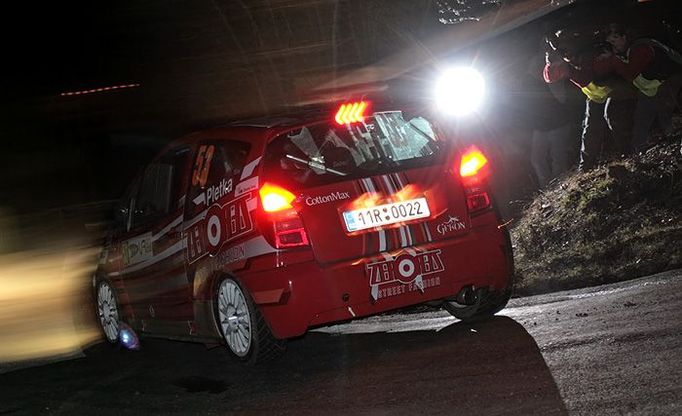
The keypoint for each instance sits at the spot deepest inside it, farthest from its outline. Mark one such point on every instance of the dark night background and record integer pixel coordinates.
(195, 61)
(201, 62)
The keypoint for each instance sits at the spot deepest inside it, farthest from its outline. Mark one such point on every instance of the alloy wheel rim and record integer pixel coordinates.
(107, 309)
(235, 319)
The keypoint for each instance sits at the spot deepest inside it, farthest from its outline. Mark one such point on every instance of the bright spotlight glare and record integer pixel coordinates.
(460, 91)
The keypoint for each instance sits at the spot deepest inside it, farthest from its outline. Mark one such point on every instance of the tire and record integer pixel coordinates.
(107, 311)
(486, 305)
(242, 326)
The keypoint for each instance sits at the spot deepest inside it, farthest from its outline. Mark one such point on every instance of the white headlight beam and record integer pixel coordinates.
(460, 91)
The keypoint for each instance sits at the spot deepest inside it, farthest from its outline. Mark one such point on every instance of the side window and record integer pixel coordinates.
(180, 161)
(236, 153)
(214, 166)
(123, 209)
(161, 187)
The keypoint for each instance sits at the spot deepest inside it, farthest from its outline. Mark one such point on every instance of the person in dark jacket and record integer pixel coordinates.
(608, 106)
(655, 70)
(556, 111)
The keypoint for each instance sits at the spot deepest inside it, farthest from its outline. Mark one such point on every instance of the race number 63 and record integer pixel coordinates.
(202, 164)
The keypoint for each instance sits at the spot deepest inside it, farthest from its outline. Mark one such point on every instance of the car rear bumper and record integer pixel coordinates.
(307, 294)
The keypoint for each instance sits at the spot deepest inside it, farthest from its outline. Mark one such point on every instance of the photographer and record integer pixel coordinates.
(655, 70)
(608, 107)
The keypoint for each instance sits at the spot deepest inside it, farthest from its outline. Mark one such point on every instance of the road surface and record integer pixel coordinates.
(614, 349)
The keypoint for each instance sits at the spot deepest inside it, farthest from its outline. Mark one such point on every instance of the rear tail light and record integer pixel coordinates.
(281, 217)
(473, 161)
(474, 170)
(275, 198)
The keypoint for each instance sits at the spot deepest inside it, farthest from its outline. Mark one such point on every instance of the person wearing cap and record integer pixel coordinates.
(655, 70)
(575, 56)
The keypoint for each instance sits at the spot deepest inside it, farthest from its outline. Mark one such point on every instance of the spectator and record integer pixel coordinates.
(556, 109)
(607, 105)
(656, 71)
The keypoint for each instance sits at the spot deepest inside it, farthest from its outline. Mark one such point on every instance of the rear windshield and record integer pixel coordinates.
(321, 153)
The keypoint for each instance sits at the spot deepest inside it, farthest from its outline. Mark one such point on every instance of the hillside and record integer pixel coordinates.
(619, 221)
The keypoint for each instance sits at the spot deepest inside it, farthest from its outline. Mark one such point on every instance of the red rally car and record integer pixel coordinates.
(254, 232)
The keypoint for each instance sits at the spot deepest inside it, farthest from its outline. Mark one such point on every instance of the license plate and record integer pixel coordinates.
(386, 214)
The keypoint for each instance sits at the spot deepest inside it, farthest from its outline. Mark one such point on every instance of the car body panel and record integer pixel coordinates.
(167, 271)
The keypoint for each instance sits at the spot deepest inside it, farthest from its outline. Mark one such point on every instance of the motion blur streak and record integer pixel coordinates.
(44, 296)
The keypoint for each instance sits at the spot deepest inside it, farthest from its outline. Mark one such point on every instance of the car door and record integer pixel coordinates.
(153, 267)
(215, 177)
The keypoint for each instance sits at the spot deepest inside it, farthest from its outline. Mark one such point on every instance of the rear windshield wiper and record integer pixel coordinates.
(315, 165)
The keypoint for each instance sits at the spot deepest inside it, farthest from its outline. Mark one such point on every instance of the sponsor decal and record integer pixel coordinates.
(248, 185)
(249, 168)
(451, 225)
(137, 249)
(324, 199)
(396, 290)
(200, 199)
(214, 193)
(404, 273)
(220, 225)
(232, 255)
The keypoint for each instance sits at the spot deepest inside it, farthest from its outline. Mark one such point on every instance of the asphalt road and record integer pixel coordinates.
(614, 349)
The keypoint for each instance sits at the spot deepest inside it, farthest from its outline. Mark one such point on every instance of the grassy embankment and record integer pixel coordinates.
(619, 221)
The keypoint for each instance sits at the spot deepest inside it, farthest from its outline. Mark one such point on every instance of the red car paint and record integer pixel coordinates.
(165, 267)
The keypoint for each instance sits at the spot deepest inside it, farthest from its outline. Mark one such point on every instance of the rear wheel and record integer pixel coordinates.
(485, 304)
(243, 327)
(107, 311)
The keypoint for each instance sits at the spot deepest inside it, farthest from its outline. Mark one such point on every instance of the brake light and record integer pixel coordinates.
(473, 169)
(274, 198)
(285, 226)
(351, 113)
(473, 160)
